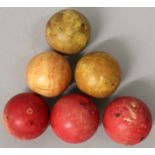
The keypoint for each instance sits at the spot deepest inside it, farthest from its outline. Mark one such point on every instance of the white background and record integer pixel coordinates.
(126, 33)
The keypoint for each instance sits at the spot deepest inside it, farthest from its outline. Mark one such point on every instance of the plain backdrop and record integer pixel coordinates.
(126, 33)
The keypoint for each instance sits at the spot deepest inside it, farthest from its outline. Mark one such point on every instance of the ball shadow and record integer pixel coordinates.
(72, 89)
(101, 105)
(27, 89)
(142, 89)
(51, 100)
(73, 59)
(39, 42)
(119, 49)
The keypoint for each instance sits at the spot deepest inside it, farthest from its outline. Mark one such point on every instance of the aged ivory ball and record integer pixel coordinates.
(97, 74)
(68, 31)
(48, 74)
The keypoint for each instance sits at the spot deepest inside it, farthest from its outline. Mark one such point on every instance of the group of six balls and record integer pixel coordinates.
(75, 118)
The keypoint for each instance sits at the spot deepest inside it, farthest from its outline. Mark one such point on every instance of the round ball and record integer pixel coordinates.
(127, 120)
(74, 118)
(26, 116)
(97, 74)
(48, 74)
(68, 31)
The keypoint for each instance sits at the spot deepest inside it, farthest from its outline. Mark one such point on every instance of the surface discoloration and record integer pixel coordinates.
(133, 104)
(132, 113)
(129, 120)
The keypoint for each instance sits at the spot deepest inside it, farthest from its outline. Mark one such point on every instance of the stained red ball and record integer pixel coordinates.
(74, 118)
(127, 120)
(26, 116)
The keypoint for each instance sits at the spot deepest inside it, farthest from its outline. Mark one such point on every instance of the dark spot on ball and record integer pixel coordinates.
(112, 84)
(59, 17)
(31, 123)
(84, 105)
(83, 27)
(7, 118)
(117, 114)
(141, 138)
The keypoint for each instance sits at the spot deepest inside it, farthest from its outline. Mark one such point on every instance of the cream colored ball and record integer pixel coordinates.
(48, 74)
(68, 31)
(97, 74)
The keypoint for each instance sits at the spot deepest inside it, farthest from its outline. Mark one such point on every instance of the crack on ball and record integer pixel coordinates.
(129, 120)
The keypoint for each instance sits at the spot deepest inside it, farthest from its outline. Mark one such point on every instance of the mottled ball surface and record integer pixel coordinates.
(74, 118)
(48, 74)
(127, 120)
(97, 74)
(68, 31)
(26, 116)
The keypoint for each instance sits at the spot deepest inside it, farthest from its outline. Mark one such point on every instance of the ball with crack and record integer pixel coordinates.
(127, 120)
